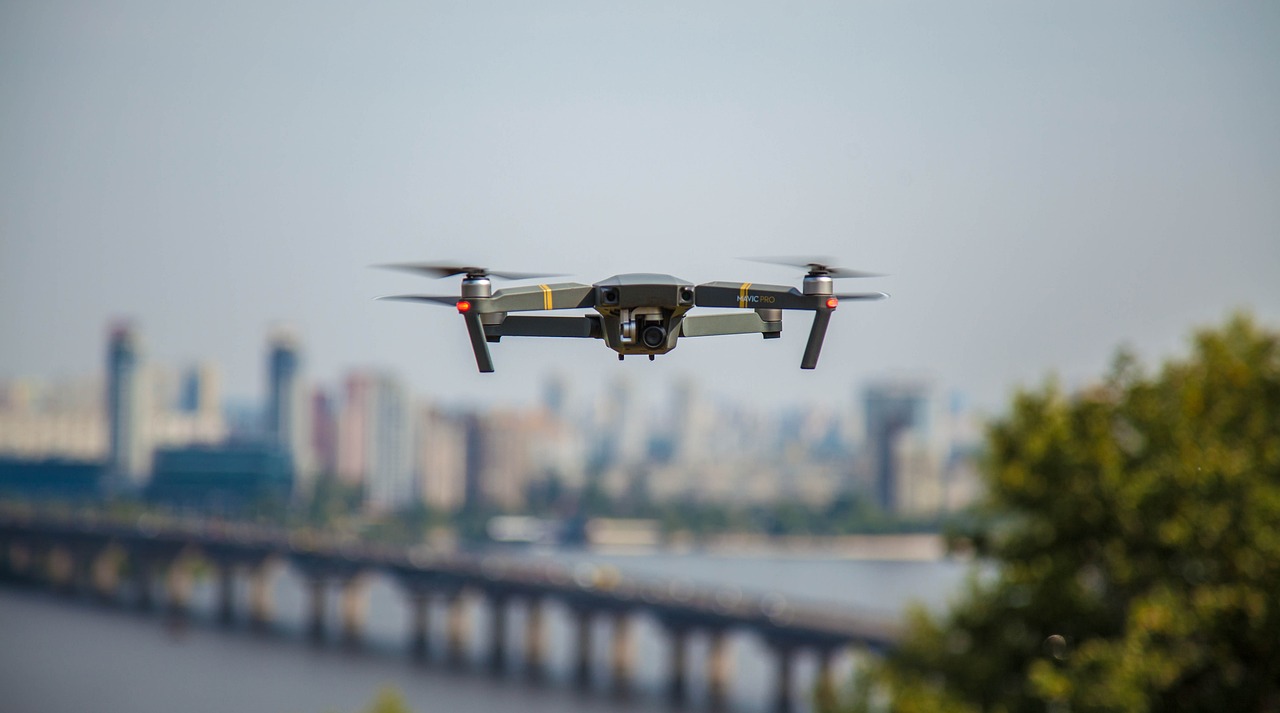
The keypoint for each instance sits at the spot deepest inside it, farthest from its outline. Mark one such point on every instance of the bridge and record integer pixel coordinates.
(93, 555)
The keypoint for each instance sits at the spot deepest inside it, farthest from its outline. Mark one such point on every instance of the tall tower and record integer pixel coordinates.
(286, 426)
(124, 409)
(893, 409)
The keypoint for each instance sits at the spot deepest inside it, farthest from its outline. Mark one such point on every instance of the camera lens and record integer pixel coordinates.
(654, 336)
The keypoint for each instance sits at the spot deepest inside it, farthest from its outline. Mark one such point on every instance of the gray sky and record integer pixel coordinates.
(1042, 182)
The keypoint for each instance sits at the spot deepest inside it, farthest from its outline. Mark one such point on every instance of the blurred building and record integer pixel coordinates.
(375, 448)
(61, 421)
(324, 432)
(896, 415)
(183, 408)
(127, 448)
(222, 478)
(200, 392)
(498, 459)
(56, 478)
(440, 460)
(623, 431)
(691, 422)
(509, 450)
(555, 397)
(286, 426)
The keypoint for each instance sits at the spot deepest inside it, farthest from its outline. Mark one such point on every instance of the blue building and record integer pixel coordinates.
(221, 478)
(54, 479)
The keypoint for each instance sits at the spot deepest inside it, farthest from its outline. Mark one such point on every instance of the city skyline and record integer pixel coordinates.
(1041, 185)
(371, 431)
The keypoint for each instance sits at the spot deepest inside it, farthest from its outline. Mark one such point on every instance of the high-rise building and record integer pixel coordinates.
(692, 421)
(355, 422)
(555, 396)
(199, 393)
(286, 417)
(624, 436)
(324, 432)
(375, 439)
(126, 455)
(893, 409)
(440, 455)
(282, 390)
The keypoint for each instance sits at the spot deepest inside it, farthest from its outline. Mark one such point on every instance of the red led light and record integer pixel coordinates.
(463, 306)
(832, 302)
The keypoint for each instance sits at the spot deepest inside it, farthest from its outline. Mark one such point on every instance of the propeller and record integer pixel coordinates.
(449, 269)
(448, 300)
(817, 266)
(862, 296)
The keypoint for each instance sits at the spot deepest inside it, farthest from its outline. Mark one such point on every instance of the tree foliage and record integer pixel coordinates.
(1134, 530)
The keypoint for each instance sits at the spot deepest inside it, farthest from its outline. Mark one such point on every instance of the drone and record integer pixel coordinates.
(636, 313)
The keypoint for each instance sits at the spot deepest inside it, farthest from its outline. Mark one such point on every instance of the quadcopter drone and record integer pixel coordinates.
(636, 313)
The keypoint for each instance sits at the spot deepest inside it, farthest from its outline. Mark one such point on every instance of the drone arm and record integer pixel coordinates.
(753, 296)
(530, 298)
(707, 325)
(544, 326)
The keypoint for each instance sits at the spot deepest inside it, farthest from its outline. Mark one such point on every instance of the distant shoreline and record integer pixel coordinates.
(917, 547)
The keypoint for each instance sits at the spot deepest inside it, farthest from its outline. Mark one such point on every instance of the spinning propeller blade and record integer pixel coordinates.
(819, 265)
(448, 300)
(449, 269)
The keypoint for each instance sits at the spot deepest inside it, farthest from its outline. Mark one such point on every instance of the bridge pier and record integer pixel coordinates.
(232, 557)
(318, 587)
(82, 559)
(498, 632)
(825, 685)
(261, 602)
(320, 572)
(719, 669)
(784, 690)
(178, 584)
(420, 624)
(677, 682)
(226, 593)
(91, 567)
(143, 576)
(621, 655)
(535, 646)
(104, 575)
(582, 670)
(151, 557)
(60, 568)
(22, 562)
(354, 600)
(456, 629)
(6, 560)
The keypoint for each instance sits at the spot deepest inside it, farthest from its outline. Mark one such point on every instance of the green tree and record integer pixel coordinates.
(389, 700)
(1135, 533)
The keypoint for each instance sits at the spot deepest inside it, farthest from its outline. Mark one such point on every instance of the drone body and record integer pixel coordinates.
(636, 313)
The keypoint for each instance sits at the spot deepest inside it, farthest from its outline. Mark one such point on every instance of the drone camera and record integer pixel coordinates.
(609, 296)
(654, 336)
(685, 296)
